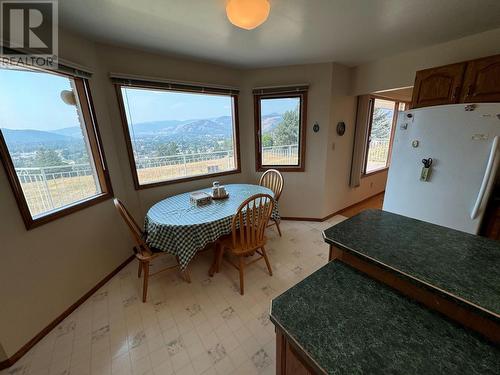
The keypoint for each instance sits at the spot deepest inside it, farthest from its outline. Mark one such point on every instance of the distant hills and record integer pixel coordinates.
(28, 136)
(212, 127)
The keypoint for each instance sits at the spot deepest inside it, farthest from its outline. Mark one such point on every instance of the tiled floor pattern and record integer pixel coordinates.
(205, 327)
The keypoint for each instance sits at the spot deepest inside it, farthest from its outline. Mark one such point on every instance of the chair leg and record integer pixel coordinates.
(139, 271)
(220, 255)
(145, 265)
(213, 267)
(187, 275)
(277, 226)
(264, 254)
(241, 268)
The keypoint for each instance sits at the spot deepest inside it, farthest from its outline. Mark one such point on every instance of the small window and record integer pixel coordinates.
(383, 117)
(175, 136)
(280, 127)
(49, 144)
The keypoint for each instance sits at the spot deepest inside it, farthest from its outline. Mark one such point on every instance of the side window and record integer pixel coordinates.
(382, 117)
(280, 122)
(49, 144)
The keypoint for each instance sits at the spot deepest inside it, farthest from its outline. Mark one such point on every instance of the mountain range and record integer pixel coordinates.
(213, 127)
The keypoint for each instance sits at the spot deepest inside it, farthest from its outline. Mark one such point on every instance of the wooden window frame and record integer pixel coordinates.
(97, 153)
(300, 167)
(177, 88)
(369, 130)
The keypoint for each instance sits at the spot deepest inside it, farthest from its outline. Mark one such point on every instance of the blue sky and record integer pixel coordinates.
(30, 100)
(269, 106)
(154, 105)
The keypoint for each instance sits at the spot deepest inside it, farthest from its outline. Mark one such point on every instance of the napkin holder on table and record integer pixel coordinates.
(200, 198)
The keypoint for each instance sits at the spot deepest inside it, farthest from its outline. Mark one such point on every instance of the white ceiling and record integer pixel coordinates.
(297, 31)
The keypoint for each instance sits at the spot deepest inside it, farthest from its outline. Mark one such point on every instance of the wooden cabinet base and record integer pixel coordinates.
(290, 359)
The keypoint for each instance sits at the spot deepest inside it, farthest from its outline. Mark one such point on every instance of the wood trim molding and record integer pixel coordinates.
(130, 151)
(339, 212)
(40, 335)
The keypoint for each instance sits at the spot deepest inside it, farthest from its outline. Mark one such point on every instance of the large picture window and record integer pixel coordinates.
(280, 128)
(49, 144)
(175, 135)
(383, 116)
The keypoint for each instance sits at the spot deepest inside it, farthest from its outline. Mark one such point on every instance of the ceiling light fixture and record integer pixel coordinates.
(247, 14)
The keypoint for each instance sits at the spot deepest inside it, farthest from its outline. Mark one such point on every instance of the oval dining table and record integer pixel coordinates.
(181, 228)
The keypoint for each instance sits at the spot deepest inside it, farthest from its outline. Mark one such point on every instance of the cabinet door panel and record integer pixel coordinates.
(482, 80)
(438, 86)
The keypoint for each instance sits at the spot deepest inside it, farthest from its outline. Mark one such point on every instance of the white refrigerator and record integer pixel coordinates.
(462, 141)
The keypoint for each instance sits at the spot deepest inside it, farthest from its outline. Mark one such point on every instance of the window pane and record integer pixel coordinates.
(280, 130)
(380, 134)
(46, 139)
(177, 134)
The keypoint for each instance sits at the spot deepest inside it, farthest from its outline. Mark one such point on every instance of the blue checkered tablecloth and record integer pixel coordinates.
(180, 228)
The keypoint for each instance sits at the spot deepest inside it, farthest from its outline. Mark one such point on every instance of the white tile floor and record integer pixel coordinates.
(205, 327)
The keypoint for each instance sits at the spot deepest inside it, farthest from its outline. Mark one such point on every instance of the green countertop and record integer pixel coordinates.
(348, 323)
(462, 264)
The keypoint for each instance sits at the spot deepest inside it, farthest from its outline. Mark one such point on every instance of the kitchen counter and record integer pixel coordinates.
(340, 321)
(465, 267)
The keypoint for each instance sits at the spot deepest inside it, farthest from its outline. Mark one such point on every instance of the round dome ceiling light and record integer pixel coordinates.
(247, 14)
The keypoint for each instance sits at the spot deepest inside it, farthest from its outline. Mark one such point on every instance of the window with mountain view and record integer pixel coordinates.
(383, 116)
(281, 131)
(49, 145)
(176, 135)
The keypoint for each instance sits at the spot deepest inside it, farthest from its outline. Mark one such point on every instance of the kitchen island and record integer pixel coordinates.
(340, 321)
(399, 296)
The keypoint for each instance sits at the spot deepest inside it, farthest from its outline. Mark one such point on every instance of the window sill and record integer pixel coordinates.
(376, 171)
(31, 222)
(183, 179)
(280, 168)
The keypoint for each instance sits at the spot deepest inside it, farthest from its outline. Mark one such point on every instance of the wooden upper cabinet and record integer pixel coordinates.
(482, 81)
(438, 86)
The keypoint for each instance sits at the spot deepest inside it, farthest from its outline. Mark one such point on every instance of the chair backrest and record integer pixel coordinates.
(134, 228)
(250, 221)
(272, 179)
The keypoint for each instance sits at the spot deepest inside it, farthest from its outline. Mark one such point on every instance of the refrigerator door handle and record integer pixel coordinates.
(486, 178)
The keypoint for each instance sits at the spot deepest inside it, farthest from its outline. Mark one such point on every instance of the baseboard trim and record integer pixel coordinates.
(26, 347)
(339, 212)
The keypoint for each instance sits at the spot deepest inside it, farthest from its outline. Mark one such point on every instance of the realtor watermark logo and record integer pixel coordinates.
(28, 33)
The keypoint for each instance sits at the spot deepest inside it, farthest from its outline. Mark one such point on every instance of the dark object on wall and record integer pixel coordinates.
(316, 127)
(474, 81)
(341, 128)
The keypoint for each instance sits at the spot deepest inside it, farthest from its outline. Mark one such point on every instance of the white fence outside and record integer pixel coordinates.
(280, 155)
(378, 152)
(50, 188)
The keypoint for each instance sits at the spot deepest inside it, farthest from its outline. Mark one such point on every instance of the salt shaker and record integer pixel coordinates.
(215, 189)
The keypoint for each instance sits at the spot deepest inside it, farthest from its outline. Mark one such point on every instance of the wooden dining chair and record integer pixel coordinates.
(144, 253)
(273, 179)
(247, 235)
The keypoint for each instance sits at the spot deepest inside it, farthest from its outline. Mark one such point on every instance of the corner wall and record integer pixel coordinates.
(343, 107)
(302, 189)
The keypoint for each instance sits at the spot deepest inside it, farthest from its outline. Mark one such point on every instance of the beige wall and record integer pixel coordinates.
(58, 262)
(343, 106)
(399, 70)
(302, 189)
